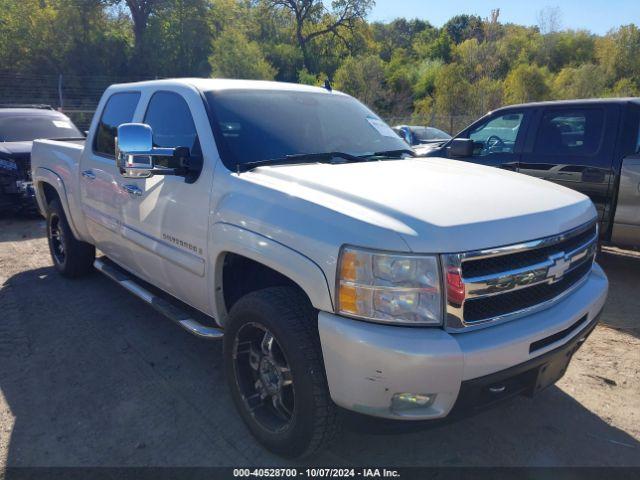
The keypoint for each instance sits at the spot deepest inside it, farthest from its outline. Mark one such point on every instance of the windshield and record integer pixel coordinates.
(25, 128)
(429, 134)
(258, 125)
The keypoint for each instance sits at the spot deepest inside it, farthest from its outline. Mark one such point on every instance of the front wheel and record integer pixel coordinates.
(274, 368)
(71, 257)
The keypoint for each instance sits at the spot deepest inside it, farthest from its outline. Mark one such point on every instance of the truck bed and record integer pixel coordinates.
(58, 160)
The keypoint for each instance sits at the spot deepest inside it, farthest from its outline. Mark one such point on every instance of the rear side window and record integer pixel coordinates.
(119, 109)
(570, 132)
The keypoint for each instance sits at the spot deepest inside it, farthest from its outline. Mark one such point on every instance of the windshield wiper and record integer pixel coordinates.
(297, 158)
(391, 153)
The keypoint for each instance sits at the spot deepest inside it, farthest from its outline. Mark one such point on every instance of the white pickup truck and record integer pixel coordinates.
(340, 272)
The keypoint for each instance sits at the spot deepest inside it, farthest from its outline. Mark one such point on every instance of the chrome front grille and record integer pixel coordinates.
(494, 285)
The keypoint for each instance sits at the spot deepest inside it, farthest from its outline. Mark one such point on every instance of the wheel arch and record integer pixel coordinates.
(267, 262)
(49, 186)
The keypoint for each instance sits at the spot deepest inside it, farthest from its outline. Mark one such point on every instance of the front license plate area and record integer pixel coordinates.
(552, 371)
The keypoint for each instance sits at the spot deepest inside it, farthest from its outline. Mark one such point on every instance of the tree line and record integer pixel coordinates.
(406, 68)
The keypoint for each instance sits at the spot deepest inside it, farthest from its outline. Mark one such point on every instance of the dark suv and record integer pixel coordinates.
(592, 146)
(19, 126)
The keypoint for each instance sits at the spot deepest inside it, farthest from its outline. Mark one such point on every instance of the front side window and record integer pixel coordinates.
(570, 132)
(498, 135)
(256, 125)
(169, 117)
(119, 109)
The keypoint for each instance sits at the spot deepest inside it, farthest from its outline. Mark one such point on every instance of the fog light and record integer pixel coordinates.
(409, 401)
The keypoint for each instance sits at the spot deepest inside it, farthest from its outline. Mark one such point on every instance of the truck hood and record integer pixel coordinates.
(435, 205)
(15, 150)
(424, 148)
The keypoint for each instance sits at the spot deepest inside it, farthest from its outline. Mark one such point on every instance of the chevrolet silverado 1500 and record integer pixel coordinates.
(340, 271)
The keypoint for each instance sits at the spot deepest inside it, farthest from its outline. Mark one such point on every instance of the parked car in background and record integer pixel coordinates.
(592, 146)
(19, 126)
(338, 269)
(421, 139)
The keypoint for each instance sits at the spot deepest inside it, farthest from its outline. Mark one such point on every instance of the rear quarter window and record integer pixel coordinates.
(570, 132)
(119, 109)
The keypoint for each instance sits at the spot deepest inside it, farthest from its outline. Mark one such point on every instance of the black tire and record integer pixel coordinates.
(286, 314)
(71, 257)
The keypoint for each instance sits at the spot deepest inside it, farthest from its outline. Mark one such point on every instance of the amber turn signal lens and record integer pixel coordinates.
(348, 266)
(347, 299)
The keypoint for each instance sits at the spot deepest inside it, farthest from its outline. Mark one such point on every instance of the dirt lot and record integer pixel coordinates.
(90, 376)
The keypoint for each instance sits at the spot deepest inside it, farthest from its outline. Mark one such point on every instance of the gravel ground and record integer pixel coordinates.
(90, 376)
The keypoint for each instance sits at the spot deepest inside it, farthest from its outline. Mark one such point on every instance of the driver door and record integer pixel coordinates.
(165, 221)
(498, 139)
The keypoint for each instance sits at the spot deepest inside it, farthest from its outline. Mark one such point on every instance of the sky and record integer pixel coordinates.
(598, 16)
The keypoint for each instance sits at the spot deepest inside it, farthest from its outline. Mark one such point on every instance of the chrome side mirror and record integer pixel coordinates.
(135, 152)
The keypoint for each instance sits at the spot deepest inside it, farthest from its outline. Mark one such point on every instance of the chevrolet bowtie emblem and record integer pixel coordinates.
(559, 267)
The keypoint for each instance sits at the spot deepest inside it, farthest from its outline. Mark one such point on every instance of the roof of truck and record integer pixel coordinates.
(585, 101)
(12, 112)
(213, 84)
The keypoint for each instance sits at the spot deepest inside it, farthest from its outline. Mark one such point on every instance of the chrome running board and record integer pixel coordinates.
(173, 312)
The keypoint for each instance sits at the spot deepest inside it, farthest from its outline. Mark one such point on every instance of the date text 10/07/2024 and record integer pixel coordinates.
(316, 472)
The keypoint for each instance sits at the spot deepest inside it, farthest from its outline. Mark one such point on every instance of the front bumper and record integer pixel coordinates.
(367, 364)
(16, 194)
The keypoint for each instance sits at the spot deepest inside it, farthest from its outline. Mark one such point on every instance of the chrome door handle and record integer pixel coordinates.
(132, 190)
(89, 174)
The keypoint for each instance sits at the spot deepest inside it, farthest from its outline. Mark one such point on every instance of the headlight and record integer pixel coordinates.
(389, 288)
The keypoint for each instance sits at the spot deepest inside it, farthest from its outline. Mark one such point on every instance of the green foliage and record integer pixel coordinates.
(307, 78)
(453, 93)
(517, 45)
(235, 56)
(619, 55)
(586, 81)
(427, 72)
(47, 37)
(568, 48)
(487, 95)
(433, 45)
(286, 58)
(464, 27)
(526, 83)
(186, 35)
(362, 77)
(624, 87)
(405, 68)
(398, 34)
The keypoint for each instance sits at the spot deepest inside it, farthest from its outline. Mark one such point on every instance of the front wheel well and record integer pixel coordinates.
(242, 275)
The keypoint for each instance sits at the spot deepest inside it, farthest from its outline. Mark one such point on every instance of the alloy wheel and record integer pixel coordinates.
(263, 377)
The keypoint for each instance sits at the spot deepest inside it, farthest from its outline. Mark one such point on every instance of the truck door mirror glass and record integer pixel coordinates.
(135, 152)
(461, 147)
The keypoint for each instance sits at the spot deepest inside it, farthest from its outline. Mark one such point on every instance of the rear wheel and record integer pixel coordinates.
(71, 257)
(274, 367)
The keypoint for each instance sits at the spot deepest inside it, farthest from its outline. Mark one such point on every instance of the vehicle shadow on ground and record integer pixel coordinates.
(94, 377)
(623, 269)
